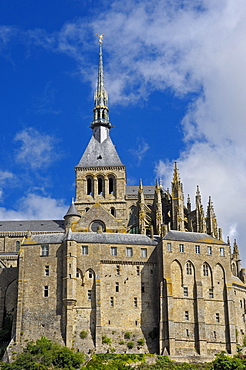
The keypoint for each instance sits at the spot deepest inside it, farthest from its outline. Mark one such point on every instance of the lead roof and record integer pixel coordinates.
(186, 236)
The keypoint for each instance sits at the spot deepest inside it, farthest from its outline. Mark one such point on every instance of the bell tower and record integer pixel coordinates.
(100, 174)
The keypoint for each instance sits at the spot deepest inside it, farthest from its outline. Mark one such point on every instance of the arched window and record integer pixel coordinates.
(100, 185)
(205, 269)
(188, 268)
(112, 211)
(111, 185)
(89, 186)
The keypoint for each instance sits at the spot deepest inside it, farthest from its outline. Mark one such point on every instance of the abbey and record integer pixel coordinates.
(129, 269)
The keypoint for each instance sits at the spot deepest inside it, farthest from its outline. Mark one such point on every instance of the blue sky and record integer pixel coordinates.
(175, 74)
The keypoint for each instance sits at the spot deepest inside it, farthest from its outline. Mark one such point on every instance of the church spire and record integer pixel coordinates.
(100, 124)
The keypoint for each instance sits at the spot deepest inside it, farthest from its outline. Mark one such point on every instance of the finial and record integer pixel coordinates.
(100, 38)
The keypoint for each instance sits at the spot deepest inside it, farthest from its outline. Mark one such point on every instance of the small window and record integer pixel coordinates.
(138, 270)
(113, 251)
(187, 332)
(205, 270)
(112, 211)
(129, 252)
(90, 274)
(186, 291)
(210, 251)
(117, 287)
(46, 270)
(211, 293)
(85, 249)
(44, 250)
(241, 304)
(144, 252)
(222, 252)
(215, 336)
(89, 294)
(169, 247)
(181, 248)
(135, 302)
(142, 287)
(46, 291)
(111, 301)
(197, 248)
(217, 317)
(188, 268)
(117, 270)
(111, 185)
(187, 315)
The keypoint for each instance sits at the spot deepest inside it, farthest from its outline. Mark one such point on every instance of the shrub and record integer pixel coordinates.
(130, 345)
(106, 340)
(140, 342)
(121, 342)
(127, 335)
(83, 334)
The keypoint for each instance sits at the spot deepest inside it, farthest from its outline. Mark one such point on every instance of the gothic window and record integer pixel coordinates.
(144, 252)
(90, 274)
(44, 250)
(112, 211)
(46, 291)
(89, 182)
(205, 269)
(188, 268)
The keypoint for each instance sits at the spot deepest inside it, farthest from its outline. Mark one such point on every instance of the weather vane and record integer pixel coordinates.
(100, 38)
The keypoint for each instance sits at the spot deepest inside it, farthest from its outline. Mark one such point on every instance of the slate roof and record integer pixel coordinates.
(104, 238)
(186, 236)
(100, 154)
(147, 189)
(72, 211)
(33, 225)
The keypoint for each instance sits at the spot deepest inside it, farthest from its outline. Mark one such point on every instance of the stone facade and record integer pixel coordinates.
(130, 269)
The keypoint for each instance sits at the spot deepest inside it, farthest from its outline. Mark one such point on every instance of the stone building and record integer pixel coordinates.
(129, 269)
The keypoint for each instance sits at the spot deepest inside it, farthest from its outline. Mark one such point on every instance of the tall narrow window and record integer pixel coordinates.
(211, 293)
(129, 252)
(117, 270)
(187, 315)
(111, 189)
(188, 268)
(135, 302)
(89, 294)
(181, 248)
(186, 291)
(90, 274)
(100, 185)
(117, 287)
(222, 252)
(205, 270)
(217, 317)
(89, 186)
(142, 287)
(197, 248)
(112, 211)
(138, 270)
(210, 251)
(112, 301)
(46, 291)
(187, 332)
(47, 270)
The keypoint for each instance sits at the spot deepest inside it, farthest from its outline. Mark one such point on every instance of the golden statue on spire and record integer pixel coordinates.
(100, 38)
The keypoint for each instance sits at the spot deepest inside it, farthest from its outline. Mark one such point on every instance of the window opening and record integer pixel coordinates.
(138, 270)
(117, 288)
(187, 315)
(111, 185)
(47, 270)
(46, 291)
(113, 251)
(197, 249)
(210, 251)
(129, 252)
(169, 247)
(185, 291)
(45, 250)
(117, 270)
(85, 249)
(188, 268)
(100, 185)
(89, 186)
(181, 248)
(142, 287)
(205, 270)
(135, 302)
(89, 294)
(144, 252)
(112, 301)
(211, 293)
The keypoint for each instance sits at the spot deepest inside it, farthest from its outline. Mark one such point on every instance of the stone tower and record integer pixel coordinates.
(100, 174)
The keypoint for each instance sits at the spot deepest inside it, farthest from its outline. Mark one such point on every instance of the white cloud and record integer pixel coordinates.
(35, 207)
(140, 151)
(36, 150)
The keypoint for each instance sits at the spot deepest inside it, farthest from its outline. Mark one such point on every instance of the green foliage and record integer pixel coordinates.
(44, 355)
(106, 340)
(244, 341)
(224, 362)
(140, 342)
(109, 361)
(121, 342)
(127, 335)
(83, 334)
(130, 345)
